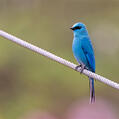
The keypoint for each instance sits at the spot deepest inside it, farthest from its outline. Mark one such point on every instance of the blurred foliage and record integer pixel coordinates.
(29, 81)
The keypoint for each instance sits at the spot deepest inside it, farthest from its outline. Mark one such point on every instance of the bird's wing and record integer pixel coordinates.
(89, 53)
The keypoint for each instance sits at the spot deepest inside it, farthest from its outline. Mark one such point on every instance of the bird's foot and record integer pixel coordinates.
(80, 66)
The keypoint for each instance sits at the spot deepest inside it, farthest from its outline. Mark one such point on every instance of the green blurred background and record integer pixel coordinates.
(29, 81)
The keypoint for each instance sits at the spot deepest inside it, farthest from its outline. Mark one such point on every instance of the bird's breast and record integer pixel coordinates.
(78, 52)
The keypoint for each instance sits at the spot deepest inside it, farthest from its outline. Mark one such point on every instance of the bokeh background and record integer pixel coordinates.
(34, 87)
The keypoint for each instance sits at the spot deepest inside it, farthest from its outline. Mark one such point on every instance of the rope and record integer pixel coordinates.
(57, 59)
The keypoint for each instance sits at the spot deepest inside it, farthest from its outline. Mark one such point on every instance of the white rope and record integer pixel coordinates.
(57, 59)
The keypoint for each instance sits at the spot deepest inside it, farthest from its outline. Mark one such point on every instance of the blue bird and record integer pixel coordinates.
(83, 53)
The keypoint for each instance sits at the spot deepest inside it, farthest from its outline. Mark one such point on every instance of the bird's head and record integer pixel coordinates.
(79, 28)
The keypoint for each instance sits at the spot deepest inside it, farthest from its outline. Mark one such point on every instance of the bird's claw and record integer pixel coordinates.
(80, 66)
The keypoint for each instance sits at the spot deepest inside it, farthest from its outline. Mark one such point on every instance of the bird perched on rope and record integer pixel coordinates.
(83, 52)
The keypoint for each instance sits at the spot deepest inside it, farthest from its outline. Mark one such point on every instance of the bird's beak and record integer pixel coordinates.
(71, 28)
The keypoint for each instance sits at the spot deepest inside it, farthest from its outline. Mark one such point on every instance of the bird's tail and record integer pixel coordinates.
(92, 90)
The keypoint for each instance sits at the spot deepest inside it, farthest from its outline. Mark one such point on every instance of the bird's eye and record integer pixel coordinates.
(77, 27)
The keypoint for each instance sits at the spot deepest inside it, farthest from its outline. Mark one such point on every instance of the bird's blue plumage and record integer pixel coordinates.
(83, 52)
